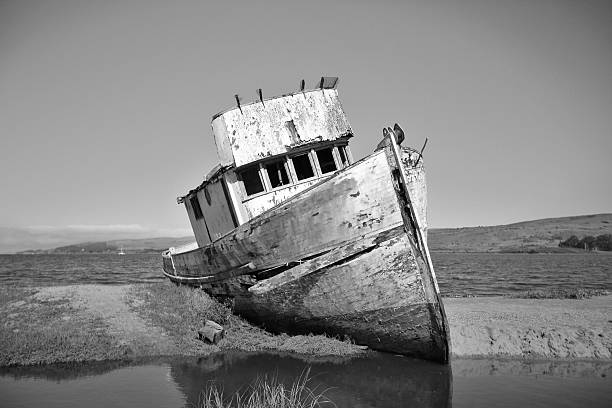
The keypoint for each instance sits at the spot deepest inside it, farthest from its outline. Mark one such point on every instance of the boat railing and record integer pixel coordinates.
(183, 248)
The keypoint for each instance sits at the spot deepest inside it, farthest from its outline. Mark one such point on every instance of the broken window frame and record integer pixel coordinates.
(341, 150)
(263, 180)
(266, 175)
(333, 157)
(313, 166)
(349, 155)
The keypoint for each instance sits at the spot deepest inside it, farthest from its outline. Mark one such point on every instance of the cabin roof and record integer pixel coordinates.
(324, 83)
(212, 175)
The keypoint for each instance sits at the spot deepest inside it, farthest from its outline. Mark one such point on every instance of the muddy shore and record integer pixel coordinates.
(102, 322)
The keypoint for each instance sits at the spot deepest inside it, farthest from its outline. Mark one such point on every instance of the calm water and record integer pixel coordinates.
(483, 274)
(67, 269)
(458, 274)
(380, 380)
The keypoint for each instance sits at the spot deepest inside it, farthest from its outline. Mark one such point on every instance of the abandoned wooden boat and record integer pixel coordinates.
(301, 239)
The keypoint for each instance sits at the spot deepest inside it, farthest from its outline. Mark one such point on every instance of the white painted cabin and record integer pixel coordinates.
(268, 150)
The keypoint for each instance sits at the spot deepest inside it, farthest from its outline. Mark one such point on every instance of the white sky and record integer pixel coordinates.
(105, 106)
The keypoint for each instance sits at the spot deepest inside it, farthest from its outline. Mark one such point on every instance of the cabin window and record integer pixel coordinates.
(303, 168)
(343, 156)
(195, 205)
(277, 173)
(251, 180)
(326, 160)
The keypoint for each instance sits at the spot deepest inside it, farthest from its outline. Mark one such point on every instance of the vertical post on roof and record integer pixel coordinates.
(238, 103)
(421, 153)
(260, 94)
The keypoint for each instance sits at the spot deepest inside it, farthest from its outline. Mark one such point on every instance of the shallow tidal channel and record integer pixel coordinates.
(377, 380)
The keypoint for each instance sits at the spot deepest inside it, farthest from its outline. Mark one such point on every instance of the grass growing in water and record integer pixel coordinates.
(268, 393)
(574, 293)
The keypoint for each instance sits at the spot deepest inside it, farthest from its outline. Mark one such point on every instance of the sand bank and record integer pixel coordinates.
(565, 329)
(100, 322)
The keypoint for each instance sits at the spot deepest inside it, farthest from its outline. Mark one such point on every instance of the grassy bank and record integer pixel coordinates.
(103, 322)
(182, 311)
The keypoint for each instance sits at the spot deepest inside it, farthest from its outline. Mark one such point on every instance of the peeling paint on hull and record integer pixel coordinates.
(376, 299)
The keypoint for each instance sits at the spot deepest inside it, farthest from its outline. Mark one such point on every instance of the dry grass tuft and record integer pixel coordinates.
(268, 392)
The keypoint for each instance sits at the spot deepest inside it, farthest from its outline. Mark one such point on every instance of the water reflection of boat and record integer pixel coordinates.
(303, 240)
(380, 380)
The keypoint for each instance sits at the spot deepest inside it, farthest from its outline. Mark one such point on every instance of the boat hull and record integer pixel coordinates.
(375, 297)
(357, 273)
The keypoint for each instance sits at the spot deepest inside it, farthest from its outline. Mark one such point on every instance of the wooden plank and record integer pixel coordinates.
(216, 209)
(198, 225)
(228, 274)
(338, 254)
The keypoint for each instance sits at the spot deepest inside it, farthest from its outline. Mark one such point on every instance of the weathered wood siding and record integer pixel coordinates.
(247, 208)
(352, 203)
(278, 125)
(259, 204)
(197, 225)
(417, 185)
(236, 196)
(217, 220)
(216, 209)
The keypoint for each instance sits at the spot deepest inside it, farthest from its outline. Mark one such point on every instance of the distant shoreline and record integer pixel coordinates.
(109, 322)
(542, 236)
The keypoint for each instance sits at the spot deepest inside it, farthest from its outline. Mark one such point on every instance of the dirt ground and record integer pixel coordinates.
(111, 304)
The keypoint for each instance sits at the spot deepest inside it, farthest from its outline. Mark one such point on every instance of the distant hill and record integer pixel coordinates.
(529, 236)
(146, 245)
(46, 237)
